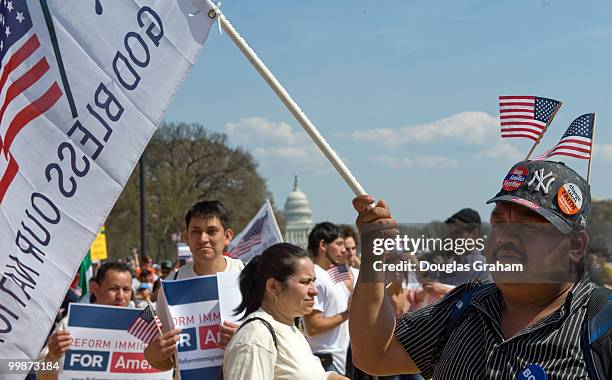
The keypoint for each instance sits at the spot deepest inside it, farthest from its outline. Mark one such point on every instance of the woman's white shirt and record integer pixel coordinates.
(251, 353)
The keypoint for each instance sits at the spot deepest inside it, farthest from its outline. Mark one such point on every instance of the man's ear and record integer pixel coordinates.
(229, 234)
(322, 246)
(94, 288)
(578, 245)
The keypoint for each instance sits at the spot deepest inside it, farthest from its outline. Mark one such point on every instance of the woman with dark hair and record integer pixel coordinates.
(276, 288)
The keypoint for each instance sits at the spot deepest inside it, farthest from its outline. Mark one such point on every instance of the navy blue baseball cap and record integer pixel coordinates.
(551, 189)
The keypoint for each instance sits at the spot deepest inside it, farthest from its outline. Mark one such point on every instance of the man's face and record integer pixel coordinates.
(115, 290)
(521, 236)
(206, 238)
(335, 251)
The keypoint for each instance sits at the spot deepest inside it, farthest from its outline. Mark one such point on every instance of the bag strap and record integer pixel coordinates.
(596, 329)
(266, 323)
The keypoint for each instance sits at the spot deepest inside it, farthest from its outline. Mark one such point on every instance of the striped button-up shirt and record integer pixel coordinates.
(477, 349)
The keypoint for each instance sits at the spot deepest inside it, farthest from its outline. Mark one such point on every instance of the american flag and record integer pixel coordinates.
(525, 116)
(146, 326)
(27, 92)
(543, 156)
(576, 141)
(251, 238)
(339, 273)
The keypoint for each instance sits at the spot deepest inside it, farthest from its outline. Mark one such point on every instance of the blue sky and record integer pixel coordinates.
(405, 91)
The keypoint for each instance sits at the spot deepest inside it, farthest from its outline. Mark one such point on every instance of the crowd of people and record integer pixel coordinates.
(307, 316)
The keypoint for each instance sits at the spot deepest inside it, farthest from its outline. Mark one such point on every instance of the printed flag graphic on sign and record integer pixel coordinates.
(339, 273)
(576, 141)
(526, 116)
(261, 232)
(23, 75)
(83, 87)
(146, 326)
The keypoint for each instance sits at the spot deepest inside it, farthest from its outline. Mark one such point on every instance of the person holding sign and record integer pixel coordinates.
(276, 288)
(207, 234)
(112, 287)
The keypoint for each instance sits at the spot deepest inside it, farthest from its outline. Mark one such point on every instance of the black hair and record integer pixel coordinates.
(209, 210)
(326, 231)
(277, 261)
(347, 231)
(117, 266)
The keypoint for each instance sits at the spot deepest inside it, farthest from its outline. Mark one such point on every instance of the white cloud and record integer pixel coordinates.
(430, 162)
(603, 152)
(274, 140)
(502, 150)
(467, 127)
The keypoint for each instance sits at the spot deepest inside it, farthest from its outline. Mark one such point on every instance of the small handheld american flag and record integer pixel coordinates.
(339, 273)
(526, 116)
(576, 141)
(146, 326)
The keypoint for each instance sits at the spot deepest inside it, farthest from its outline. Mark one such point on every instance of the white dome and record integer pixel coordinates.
(297, 208)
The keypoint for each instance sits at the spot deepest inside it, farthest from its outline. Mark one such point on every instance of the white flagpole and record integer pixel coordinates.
(284, 96)
(591, 155)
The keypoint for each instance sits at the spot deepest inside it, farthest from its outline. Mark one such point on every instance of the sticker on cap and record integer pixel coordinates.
(515, 178)
(570, 198)
(525, 203)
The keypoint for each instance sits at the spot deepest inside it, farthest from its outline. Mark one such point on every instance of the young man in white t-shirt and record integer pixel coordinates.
(207, 234)
(327, 327)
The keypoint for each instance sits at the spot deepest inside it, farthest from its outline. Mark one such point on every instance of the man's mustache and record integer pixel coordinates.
(508, 247)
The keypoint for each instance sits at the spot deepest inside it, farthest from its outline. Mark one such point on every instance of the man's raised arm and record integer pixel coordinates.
(375, 348)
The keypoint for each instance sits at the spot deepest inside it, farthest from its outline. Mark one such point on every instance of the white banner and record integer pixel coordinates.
(83, 86)
(103, 349)
(261, 232)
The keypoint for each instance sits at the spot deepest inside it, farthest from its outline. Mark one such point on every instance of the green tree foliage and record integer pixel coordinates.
(184, 164)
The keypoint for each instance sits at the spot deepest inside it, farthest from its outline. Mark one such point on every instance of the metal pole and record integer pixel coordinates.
(143, 216)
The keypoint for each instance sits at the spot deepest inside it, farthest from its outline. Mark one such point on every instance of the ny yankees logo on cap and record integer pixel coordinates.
(540, 177)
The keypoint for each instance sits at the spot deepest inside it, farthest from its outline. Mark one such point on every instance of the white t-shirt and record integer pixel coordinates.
(331, 299)
(187, 271)
(251, 353)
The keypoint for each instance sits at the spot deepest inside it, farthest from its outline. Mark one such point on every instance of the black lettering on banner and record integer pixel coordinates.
(87, 136)
(10, 293)
(22, 270)
(54, 220)
(145, 49)
(106, 105)
(60, 153)
(44, 240)
(29, 249)
(68, 193)
(21, 283)
(154, 35)
(7, 327)
(135, 77)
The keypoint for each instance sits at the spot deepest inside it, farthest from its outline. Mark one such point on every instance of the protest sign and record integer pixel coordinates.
(103, 349)
(194, 306)
(84, 89)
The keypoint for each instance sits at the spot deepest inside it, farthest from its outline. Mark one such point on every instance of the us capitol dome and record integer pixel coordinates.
(298, 217)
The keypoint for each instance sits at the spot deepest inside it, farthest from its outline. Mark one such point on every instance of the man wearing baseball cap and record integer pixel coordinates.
(526, 325)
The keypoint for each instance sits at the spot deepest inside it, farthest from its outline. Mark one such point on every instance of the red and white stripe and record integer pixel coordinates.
(517, 117)
(573, 146)
(145, 331)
